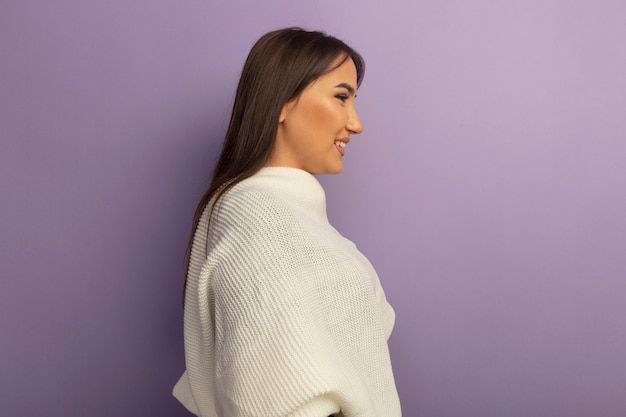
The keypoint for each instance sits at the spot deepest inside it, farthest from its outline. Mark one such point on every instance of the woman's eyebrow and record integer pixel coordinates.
(347, 86)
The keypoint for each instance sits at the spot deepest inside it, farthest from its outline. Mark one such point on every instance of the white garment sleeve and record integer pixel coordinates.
(273, 354)
(322, 406)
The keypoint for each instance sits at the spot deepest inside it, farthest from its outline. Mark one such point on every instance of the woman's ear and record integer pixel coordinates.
(284, 112)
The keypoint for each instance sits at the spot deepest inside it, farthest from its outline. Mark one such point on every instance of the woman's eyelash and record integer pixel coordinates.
(342, 97)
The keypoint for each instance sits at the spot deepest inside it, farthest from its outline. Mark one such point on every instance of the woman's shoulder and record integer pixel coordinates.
(249, 210)
(276, 190)
(250, 198)
(276, 203)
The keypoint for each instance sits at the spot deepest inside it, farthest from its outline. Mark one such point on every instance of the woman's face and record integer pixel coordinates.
(315, 127)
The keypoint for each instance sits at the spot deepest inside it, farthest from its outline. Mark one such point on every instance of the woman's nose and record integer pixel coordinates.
(354, 123)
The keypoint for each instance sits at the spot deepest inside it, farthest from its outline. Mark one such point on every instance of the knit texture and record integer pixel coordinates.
(284, 317)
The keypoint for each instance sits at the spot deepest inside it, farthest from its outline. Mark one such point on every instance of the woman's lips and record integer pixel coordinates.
(340, 144)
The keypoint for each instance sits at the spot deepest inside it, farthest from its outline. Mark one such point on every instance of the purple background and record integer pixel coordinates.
(488, 189)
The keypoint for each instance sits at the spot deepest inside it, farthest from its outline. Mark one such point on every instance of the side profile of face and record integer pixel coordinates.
(315, 127)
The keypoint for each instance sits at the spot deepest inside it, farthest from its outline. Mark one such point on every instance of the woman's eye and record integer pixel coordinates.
(342, 97)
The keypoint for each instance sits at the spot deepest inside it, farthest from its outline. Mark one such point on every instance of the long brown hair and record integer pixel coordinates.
(280, 65)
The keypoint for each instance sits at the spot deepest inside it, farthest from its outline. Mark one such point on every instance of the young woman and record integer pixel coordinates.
(283, 315)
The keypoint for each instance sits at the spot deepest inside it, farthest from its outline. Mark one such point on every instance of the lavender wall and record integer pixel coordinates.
(487, 189)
